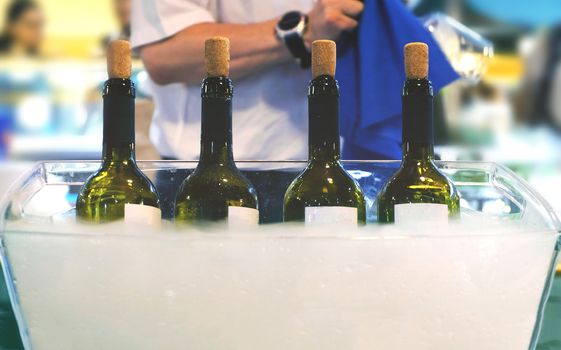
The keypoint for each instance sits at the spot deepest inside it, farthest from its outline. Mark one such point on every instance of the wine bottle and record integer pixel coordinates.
(324, 193)
(418, 192)
(217, 191)
(118, 190)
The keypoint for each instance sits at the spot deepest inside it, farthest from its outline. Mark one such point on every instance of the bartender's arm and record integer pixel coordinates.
(254, 47)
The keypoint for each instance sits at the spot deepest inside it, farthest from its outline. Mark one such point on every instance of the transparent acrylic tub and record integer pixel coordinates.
(481, 284)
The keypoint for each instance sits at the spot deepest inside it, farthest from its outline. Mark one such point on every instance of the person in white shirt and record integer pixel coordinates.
(269, 48)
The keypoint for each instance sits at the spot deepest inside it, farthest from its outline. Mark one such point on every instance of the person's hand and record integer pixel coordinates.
(329, 18)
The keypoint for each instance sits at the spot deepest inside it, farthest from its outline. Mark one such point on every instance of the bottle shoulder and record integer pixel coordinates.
(119, 185)
(217, 181)
(320, 175)
(214, 175)
(424, 174)
(419, 183)
(324, 182)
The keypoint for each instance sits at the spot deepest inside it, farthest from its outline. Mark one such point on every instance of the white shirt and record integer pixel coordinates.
(269, 108)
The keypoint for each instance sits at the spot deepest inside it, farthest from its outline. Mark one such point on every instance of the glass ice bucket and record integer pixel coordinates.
(479, 284)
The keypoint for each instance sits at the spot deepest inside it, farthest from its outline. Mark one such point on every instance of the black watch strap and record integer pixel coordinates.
(297, 48)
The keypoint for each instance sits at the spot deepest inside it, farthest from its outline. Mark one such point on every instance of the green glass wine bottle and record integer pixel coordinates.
(118, 190)
(418, 192)
(217, 191)
(324, 193)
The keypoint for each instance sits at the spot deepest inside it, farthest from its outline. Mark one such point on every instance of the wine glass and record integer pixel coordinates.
(467, 51)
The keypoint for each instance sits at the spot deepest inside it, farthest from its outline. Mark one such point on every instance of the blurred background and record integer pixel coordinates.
(506, 109)
(51, 69)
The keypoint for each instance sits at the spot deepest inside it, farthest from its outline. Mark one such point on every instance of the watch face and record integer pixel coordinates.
(290, 20)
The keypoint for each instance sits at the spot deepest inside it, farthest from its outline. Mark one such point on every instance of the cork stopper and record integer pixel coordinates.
(416, 60)
(324, 58)
(217, 56)
(119, 59)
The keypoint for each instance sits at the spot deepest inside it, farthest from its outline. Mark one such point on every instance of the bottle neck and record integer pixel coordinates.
(216, 121)
(417, 138)
(121, 154)
(323, 110)
(118, 122)
(417, 152)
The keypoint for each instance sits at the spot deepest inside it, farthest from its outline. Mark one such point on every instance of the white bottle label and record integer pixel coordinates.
(414, 215)
(138, 214)
(243, 217)
(331, 215)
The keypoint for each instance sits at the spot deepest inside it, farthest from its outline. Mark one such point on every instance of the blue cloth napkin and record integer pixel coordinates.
(371, 74)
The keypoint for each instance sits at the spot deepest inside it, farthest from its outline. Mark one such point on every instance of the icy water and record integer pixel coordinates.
(376, 288)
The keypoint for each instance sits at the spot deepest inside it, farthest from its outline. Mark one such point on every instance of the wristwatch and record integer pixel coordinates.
(290, 30)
